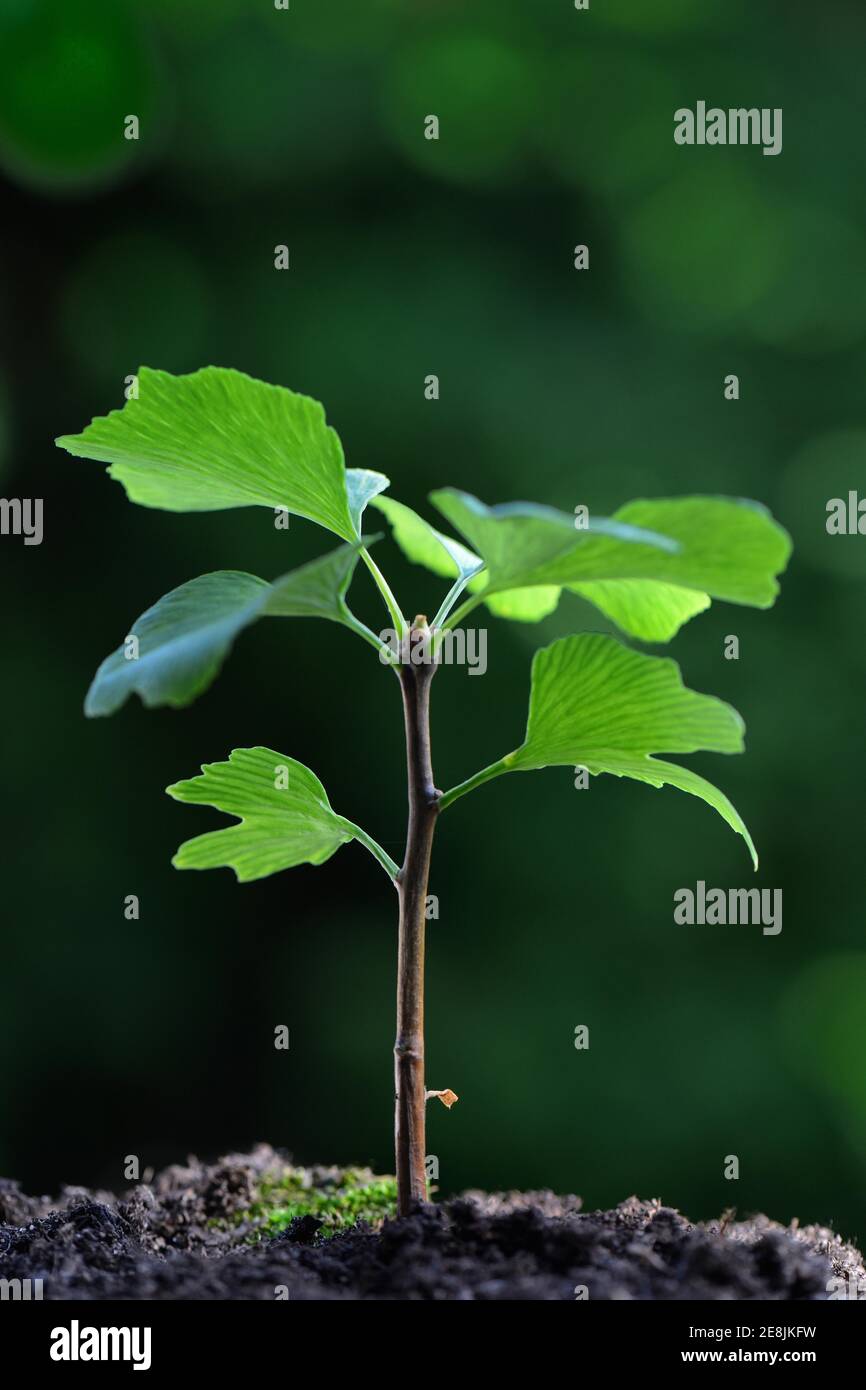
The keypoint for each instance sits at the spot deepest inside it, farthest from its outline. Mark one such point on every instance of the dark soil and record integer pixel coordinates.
(197, 1232)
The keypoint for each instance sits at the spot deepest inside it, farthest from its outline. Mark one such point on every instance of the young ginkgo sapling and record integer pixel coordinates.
(217, 439)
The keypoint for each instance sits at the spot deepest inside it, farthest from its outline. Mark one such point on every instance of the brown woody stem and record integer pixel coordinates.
(410, 1091)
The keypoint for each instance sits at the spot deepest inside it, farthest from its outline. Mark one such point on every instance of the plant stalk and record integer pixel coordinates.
(385, 590)
(410, 1090)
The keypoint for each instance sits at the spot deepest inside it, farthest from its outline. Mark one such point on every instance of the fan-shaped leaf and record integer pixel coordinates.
(181, 642)
(598, 704)
(649, 568)
(218, 438)
(644, 608)
(284, 814)
(424, 545)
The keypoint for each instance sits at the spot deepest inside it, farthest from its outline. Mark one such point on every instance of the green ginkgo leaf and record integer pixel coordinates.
(318, 589)
(176, 648)
(362, 485)
(729, 548)
(600, 705)
(218, 438)
(523, 605)
(649, 568)
(644, 608)
(523, 544)
(424, 545)
(284, 816)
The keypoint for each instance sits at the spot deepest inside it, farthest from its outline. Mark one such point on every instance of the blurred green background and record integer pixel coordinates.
(260, 127)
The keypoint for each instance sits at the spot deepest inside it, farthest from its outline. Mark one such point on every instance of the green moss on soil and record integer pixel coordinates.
(338, 1198)
(356, 1195)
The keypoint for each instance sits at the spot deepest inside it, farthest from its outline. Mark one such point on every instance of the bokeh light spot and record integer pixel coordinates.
(135, 298)
(69, 74)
